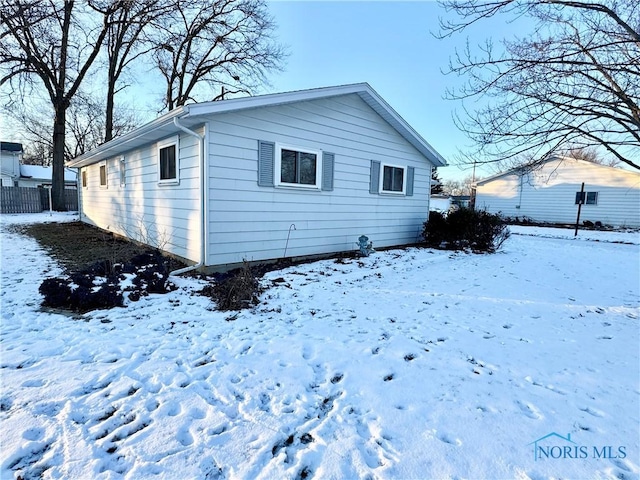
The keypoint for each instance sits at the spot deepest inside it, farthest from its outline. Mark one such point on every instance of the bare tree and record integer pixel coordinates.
(572, 84)
(85, 127)
(126, 42)
(55, 44)
(225, 45)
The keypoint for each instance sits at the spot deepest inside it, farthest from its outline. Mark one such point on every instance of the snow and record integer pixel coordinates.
(411, 363)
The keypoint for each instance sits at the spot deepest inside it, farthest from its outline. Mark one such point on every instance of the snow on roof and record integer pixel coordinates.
(38, 172)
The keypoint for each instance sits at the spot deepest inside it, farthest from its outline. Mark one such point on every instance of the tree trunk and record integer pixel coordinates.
(57, 180)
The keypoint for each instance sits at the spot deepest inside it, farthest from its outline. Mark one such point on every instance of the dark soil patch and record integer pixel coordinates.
(77, 245)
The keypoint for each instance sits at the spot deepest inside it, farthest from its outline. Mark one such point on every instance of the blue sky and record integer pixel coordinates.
(390, 46)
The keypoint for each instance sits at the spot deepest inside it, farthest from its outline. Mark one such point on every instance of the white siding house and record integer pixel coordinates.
(550, 193)
(306, 171)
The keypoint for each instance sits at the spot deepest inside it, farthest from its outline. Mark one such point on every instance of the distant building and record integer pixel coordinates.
(15, 174)
(552, 193)
(10, 159)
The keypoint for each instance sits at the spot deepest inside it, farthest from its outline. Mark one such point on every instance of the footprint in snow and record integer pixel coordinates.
(33, 434)
(593, 411)
(446, 438)
(184, 437)
(529, 410)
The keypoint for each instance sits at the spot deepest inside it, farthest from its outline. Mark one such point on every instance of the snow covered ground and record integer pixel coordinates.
(407, 364)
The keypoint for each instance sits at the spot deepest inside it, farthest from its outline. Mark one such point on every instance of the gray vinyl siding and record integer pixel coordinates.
(163, 216)
(251, 222)
(548, 195)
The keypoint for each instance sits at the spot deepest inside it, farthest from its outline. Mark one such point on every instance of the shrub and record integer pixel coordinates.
(434, 230)
(235, 290)
(465, 228)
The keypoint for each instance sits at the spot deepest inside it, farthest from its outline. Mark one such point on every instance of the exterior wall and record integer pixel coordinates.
(9, 167)
(548, 194)
(163, 216)
(248, 222)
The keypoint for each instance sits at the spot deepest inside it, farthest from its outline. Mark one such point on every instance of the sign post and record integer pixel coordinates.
(580, 202)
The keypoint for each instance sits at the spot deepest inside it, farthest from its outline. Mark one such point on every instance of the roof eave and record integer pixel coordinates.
(114, 146)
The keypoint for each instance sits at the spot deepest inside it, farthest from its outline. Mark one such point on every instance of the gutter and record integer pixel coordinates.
(203, 235)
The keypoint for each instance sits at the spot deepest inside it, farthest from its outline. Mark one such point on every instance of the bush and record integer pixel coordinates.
(466, 228)
(235, 290)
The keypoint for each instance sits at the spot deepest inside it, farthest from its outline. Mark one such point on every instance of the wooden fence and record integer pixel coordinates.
(33, 200)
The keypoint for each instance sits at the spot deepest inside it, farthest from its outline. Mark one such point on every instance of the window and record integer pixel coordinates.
(122, 172)
(587, 198)
(297, 167)
(84, 178)
(393, 179)
(168, 161)
(103, 174)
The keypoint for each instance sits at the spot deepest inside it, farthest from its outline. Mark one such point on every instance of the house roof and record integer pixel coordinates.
(517, 170)
(38, 172)
(11, 147)
(191, 116)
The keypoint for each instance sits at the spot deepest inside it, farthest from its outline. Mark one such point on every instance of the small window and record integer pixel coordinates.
(393, 179)
(122, 172)
(103, 175)
(168, 161)
(586, 198)
(84, 178)
(299, 167)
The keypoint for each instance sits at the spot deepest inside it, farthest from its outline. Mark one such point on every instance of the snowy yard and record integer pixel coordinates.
(407, 364)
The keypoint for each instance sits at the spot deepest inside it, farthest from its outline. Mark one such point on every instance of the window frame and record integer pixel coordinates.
(161, 145)
(381, 189)
(103, 167)
(583, 198)
(277, 169)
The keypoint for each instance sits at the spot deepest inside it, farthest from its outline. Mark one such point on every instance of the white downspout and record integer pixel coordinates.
(203, 236)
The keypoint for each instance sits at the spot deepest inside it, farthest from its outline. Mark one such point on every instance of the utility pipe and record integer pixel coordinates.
(202, 198)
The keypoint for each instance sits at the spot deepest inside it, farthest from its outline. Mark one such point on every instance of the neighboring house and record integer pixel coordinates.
(246, 179)
(39, 176)
(551, 193)
(10, 158)
(440, 203)
(15, 174)
(461, 201)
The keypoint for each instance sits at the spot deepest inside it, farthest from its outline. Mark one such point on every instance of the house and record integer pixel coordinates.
(39, 176)
(551, 193)
(15, 174)
(221, 182)
(10, 159)
(440, 203)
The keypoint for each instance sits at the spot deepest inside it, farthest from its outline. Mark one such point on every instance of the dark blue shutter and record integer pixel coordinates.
(328, 160)
(266, 154)
(410, 175)
(374, 184)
